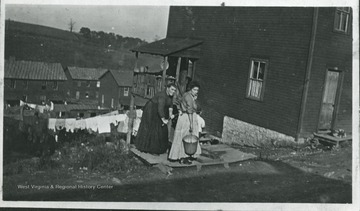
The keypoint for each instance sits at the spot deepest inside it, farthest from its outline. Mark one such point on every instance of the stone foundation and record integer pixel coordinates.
(242, 133)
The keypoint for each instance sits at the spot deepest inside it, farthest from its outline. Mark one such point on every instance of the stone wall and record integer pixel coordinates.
(242, 133)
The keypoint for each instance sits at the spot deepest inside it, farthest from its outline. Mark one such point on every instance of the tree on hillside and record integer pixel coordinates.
(85, 32)
(71, 25)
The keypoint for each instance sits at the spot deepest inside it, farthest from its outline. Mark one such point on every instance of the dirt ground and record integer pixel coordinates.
(277, 175)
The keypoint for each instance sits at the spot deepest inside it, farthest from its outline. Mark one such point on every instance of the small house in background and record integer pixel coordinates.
(83, 84)
(115, 89)
(266, 73)
(35, 82)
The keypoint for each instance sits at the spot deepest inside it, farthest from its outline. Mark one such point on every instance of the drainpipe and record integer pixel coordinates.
(308, 73)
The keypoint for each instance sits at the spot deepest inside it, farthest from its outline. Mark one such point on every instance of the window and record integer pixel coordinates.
(97, 94)
(112, 102)
(43, 85)
(98, 84)
(24, 98)
(26, 84)
(126, 91)
(13, 83)
(55, 85)
(102, 99)
(42, 98)
(77, 95)
(150, 91)
(87, 95)
(92, 114)
(342, 19)
(68, 92)
(255, 89)
(79, 83)
(88, 84)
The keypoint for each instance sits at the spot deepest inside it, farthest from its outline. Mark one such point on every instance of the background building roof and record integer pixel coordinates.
(122, 78)
(34, 70)
(82, 73)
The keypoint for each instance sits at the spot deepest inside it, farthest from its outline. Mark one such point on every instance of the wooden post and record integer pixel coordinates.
(164, 72)
(132, 102)
(178, 70)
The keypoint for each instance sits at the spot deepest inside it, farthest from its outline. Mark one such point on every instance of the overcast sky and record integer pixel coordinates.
(144, 22)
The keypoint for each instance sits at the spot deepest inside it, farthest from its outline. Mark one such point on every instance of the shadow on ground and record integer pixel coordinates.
(256, 181)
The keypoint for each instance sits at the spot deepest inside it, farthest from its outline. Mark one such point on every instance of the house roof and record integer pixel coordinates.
(82, 73)
(34, 70)
(122, 78)
(167, 46)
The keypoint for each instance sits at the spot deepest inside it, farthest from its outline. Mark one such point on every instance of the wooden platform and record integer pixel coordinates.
(331, 139)
(211, 155)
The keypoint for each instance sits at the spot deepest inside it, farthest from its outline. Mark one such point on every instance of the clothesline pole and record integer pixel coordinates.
(178, 70)
(132, 102)
(164, 71)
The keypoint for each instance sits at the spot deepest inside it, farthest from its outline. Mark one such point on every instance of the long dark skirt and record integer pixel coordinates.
(152, 136)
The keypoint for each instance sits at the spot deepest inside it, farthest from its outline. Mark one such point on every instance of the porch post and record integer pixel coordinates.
(164, 71)
(132, 102)
(178, 70)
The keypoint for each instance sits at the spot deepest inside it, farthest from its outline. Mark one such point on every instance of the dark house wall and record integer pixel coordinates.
(332, 49)
(72, 87)
(233, 35)
(108, 88)
(34, 90)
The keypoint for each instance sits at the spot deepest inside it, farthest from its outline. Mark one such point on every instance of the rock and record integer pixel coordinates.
(329, 174)
(164, 169)
(116, 180)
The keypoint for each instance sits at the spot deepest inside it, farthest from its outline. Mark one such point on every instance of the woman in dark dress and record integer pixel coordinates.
(152, 136)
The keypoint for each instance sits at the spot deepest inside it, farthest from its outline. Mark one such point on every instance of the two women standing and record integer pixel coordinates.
(152, 136)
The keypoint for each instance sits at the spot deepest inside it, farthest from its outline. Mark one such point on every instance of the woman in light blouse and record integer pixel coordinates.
(187, 114)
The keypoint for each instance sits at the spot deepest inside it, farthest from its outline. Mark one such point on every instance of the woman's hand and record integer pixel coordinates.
(172, 116)
(165, 121)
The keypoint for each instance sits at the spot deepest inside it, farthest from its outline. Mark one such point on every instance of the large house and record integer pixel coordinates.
(265, 72)
(115, 89)
(83, 83)
(36, 82)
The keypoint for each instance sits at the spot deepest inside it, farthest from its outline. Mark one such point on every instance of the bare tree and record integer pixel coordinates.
(71, 25)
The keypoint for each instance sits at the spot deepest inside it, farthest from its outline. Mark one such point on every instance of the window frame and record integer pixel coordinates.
(88, 83)
(337, 23)
(55, 85)
(78, 84)
(98, 84)
(13, 83)
(26, 84)
(43, 85)
(126, 91)
(267, 63)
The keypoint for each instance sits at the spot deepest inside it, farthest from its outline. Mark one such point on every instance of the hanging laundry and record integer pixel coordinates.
(139, 113)
(123, 126)
(70, 124)
(60, 124)
(80, 124)
(51, 124)
(92, 124)
(104, 124)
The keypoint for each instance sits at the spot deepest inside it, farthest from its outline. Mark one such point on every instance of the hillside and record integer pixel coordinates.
(40, 43)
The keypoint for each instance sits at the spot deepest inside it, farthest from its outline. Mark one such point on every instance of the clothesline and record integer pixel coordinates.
(99, 124)
(40, 108)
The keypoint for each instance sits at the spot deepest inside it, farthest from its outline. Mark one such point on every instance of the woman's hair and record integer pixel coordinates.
(193, 84)
(171, 85)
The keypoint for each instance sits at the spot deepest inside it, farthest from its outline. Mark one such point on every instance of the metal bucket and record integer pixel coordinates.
(190, 144)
